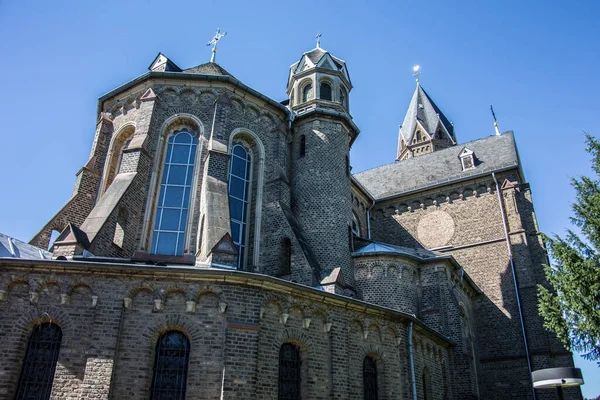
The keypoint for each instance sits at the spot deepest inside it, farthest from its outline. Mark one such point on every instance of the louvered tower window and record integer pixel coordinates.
(170, 366)
(325, 91)
(289, 372)
(174, 198)
(308, 93)
(40, 363)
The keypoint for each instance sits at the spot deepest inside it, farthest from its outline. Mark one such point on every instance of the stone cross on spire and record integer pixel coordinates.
(214, 42)
(318, 37)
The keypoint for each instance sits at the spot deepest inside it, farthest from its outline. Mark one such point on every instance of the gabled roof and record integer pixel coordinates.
(386, 248)
(13, 248)
(163, 64)
(426, 112)
(440, 167)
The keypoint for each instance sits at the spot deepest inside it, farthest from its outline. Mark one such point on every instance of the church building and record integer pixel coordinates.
(217, 246)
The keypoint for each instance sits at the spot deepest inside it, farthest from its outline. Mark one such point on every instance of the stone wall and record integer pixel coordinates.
(112, 315)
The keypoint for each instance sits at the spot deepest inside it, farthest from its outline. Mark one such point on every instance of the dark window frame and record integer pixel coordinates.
(39, 366)
(171, 360)
(370, 385)
(290, 374)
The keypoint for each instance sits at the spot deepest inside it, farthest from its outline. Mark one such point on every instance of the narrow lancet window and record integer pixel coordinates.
(174, 198)
(170, 366)
(239, 179)
(370, 379)
(285, 257)
(302, 152)
(289, 372)
(37, 374)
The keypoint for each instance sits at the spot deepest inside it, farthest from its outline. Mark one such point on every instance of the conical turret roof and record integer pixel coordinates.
(422, 109)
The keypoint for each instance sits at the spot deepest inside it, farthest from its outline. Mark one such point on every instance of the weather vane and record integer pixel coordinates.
(214, 42)
(318, 37)
(416, 72)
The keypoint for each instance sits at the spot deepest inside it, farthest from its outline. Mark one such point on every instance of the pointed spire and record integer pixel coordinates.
(425, 117)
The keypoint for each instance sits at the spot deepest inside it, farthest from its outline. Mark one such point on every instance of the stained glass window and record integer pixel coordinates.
(174, 197)
(325, 91)
(289, 372)
(370, 379)
(40, 363)
(239, 178)
(170, 366)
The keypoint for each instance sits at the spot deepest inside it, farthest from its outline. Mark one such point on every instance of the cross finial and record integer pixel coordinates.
(416, 72)
(214, 42)
(318, 37)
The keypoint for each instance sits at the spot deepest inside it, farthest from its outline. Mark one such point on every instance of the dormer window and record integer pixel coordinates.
(325, 91)
(419, 136)
(467, 159)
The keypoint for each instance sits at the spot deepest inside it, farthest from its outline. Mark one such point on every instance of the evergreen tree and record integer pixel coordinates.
(571, 308)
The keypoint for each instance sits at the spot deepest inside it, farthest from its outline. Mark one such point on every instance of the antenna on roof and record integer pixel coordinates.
(495, 121)
(416, 72)
(318, 37)
(214, 42)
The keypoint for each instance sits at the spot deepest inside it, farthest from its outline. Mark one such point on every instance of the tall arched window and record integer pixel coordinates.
(170, 366)
(239, 180)
(289, 372)
(308, 93)
(40, 363)
(285, 256)
(325, 91)
(427, 389)
(174, 198)
(370, 379)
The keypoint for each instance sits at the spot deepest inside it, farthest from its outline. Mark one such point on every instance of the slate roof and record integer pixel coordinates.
(423, 109)
(386, 248)
(13, 248)
(209, 68)
(440, 167)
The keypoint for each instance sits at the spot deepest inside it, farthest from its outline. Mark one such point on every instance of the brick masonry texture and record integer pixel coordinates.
(303, 279)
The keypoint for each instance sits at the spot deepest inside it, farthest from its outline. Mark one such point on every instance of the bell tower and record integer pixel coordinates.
(322, 133)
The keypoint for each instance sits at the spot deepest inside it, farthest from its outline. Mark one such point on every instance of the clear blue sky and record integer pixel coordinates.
(535, 61)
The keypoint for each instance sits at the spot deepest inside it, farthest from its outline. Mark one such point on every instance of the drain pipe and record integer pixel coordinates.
(369, 220)
(514, 274)
(411, 360)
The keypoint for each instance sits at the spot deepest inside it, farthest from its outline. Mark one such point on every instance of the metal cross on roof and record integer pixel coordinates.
(214, 42)
(318, 37)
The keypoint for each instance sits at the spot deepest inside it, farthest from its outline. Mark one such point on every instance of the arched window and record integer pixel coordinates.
(115, 157)
(419, 137)
(239, 179)
(285, 257)
(170, 366)
(289, 372)
(302, 146)
(344, 97)
(370, 379)
(308, 93)
(427, 390)
(355, 225)
(325, 91)
(40, 363)
(174, 198)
